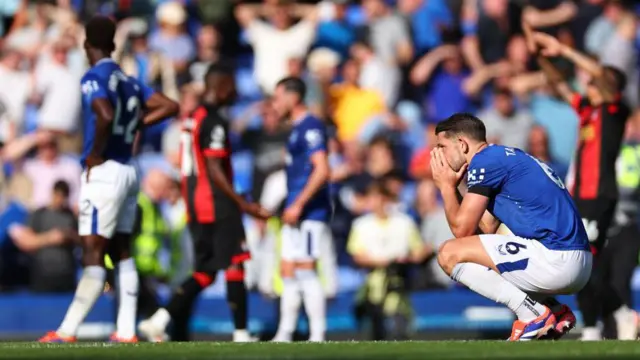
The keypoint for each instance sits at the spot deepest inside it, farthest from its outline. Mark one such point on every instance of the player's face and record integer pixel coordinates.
(453, 150)
(282, 103)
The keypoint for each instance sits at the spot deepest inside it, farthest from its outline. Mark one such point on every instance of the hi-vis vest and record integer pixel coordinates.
(147, 244)
(628, 167)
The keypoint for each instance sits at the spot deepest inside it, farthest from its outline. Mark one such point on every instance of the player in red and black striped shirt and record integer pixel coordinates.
(214, 209)
(592, 182)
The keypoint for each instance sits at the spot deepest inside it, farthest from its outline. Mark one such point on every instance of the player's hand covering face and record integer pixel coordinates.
(443, 174)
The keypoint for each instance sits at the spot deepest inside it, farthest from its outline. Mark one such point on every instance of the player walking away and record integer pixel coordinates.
(214, 210)
(592, 179)
(307, 212)
(112, 108)
(547, 254)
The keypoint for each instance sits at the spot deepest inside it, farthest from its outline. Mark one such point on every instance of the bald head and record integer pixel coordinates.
(156, 184)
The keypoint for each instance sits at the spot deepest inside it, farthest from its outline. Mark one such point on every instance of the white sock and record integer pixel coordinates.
(491, 285)
(314, 303)
(289, 309)
(128, 284)
(161, 318)
(89, 288)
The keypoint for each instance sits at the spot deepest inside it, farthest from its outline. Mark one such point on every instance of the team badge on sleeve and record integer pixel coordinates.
(313, 137)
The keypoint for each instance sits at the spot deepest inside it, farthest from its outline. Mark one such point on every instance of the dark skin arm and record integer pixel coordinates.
(219, 178)
(159, 107)
(104, 119)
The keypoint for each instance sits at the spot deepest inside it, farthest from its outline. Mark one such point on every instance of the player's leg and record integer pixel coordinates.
(290, 300)
(623, 247)
(313, 295)
(237, 300)
(99, 204)
(128, 280)
(181, 302)
(467, 261)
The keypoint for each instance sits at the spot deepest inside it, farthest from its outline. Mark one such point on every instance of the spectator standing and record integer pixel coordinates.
(207, 52)
(334, 32)
(46, 168)
(276, 42)
(506, 125)
(171, 40)
(388, 33)
(49, 237)
(15, 91)
(385, 242)
(148, 66)
(376, 74)
(57, 85)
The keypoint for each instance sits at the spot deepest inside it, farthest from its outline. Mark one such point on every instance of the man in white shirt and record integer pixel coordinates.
(376, 74)
(276, 42)
(14, 93)
(58, 86)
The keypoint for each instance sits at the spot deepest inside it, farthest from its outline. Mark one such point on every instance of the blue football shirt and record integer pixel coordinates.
(105, 80)
(528, 197)
(308, 136)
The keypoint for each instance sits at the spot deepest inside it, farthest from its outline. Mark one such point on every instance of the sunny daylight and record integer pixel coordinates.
(319, 179)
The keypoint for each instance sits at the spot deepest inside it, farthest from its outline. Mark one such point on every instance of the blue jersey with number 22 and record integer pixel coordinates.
(105, 80)
(528, 197)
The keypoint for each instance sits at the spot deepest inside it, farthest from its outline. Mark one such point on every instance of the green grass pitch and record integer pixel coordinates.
(427, 350)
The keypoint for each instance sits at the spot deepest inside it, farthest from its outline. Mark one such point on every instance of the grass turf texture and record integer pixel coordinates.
(333, 350)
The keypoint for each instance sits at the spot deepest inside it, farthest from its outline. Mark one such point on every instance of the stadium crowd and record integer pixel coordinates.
(382, 72)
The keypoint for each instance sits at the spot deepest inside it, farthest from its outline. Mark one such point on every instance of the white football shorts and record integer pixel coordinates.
(108, 199)
(304, 242)
(533, 268)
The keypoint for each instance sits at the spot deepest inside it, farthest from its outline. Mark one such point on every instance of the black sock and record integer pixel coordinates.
(237, 299)
(183, 298)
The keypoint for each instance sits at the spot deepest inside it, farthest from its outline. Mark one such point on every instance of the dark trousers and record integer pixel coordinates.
(610, 284)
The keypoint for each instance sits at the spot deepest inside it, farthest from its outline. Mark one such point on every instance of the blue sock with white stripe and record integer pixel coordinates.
(491, 285)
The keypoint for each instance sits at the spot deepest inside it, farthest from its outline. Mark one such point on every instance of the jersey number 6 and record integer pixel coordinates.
(126, 125)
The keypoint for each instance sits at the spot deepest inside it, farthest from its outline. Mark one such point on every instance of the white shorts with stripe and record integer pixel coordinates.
(533, 268)
(108, 199)
(304, 242)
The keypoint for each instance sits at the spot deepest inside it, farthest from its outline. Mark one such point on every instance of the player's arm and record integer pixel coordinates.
(488, 223)
(464, 218)
(157, 106)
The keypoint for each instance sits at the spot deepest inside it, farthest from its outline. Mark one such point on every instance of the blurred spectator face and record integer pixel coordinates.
(270, 119)
(157, 185)
(566, 37)
(379, 159)
(280, 17)
(593, 94)
(517, 50)
(59, 52)
(208, 38)
(139, 44)
(453, 64)
(48, 150)
(359, 52)
(613, 11)
(350, 72)
(373, 8)
(427, 199)
(188, 101)
(60, 198)
(503, 103)
(11, 59)
(538, 143)
(409, 6)
(394, 185)
(174, 192)
(377, 202)
(452, 148)
(495, 9)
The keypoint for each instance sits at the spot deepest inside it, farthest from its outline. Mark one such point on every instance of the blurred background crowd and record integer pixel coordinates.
(382, 73)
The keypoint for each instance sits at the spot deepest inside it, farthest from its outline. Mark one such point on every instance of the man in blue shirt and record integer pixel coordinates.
(113, 104)
(546, 251)
(307, 212)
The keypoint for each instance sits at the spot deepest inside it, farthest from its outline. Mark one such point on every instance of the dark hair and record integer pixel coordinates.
(220, 67)
(379, 186)
(617, 76)
(394, 174)
(100, 31)
(62, 187)
(381, 140)
(294, 85)
(463, 123)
